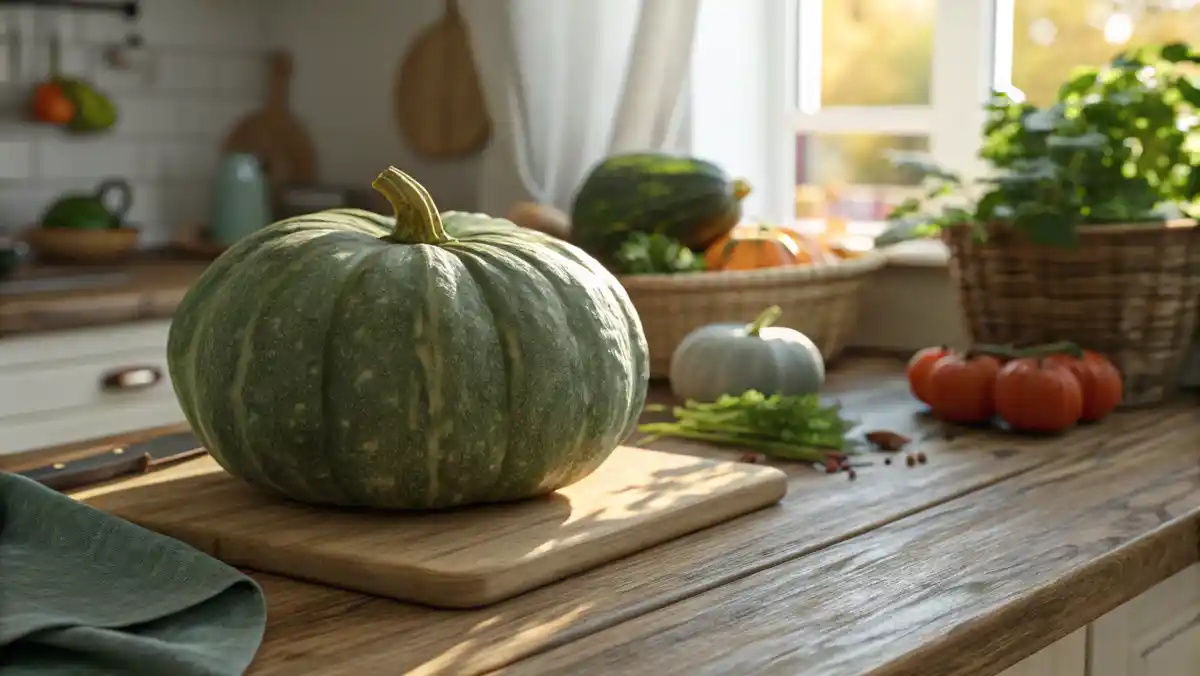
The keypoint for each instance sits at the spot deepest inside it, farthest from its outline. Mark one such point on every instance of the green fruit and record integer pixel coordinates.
(685, 198)
(421, 362)
(732, 359)
(94, 111)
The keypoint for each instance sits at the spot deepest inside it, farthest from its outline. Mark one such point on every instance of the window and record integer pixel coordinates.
(913, 75)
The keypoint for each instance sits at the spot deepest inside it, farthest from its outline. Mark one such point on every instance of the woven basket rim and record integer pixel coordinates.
(1093, 230)
(850, 267)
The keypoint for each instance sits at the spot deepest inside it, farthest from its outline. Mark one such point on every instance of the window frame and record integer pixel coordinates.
(972, 56)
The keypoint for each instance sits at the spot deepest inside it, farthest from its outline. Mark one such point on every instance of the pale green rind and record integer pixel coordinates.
(722, 359)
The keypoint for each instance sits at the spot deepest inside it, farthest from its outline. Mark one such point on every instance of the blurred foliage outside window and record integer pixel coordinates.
(880, 53)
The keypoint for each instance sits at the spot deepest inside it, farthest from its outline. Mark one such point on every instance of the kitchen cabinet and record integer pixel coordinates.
(1067, 657)
(67, 386)
(1154, 634)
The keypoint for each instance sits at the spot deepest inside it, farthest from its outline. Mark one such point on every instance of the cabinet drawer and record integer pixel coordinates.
(68, 386)
(130, 376)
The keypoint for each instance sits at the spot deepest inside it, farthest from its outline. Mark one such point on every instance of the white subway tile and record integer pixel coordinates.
(216, 23)
(145, 116)
(244, 75)
(188, 72)
(102, 27)
(86, 158)
(16, 160)
(112, 81)
(146, 209)
(213, 117)
(79, 60)
(21, 205)
(177, 161)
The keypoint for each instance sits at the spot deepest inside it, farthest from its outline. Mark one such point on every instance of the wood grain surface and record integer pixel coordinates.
(966, 588)
(990, 551)
(454, 559)
(320, 630)
(153, 289)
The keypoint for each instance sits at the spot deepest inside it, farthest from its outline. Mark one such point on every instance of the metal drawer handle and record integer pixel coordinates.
(131, 378)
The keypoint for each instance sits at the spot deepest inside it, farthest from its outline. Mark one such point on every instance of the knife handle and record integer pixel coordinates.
(131, 378)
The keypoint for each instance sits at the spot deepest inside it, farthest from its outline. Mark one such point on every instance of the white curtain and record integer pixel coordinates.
(568, 82)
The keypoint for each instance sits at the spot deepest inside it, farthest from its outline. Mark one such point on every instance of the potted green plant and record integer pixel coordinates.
(1086, 230)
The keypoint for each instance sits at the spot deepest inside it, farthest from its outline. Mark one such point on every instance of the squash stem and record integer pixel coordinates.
(763, 320)
(740, 189)
(417, 218)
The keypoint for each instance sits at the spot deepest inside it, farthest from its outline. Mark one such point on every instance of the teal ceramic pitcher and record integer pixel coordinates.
(241, 204)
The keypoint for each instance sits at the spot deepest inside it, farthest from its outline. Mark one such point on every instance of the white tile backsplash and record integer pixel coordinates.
(205, 69)
(16, 160)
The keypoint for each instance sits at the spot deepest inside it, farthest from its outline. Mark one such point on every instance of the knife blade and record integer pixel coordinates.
(117, 462)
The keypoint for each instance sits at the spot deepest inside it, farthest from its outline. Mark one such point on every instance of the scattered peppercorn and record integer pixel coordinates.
(921, 457)
(910, 460)
(852, 475)
(887, 461)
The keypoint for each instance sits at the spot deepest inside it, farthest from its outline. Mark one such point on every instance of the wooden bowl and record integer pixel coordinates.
(69, 245)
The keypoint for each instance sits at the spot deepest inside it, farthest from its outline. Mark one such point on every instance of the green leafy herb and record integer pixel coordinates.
(646, 254)
(1118, 145)
(787, 427)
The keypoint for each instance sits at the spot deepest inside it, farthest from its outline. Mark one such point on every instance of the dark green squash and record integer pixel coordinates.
(418, 362)
(691, 200)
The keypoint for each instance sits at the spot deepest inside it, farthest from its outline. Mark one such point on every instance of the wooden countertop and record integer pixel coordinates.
(149, 287)
(996, 548)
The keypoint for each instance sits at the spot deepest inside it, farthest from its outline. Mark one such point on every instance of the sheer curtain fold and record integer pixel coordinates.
(568, 82)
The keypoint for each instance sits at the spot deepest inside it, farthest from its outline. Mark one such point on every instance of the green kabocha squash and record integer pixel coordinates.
(688, 199)
(419, 362)
(732, 358)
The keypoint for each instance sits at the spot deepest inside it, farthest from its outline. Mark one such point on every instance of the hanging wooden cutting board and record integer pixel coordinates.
(455, 559)
(438, 99)
(274, 135)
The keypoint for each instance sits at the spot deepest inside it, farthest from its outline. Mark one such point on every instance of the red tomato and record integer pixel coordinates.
(1038, 395)
(961, 388)
(919, 367)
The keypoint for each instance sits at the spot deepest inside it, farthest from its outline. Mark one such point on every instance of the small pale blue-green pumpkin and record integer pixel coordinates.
(733, 358)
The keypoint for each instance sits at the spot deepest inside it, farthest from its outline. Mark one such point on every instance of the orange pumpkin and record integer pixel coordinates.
(919, 367)
(961, 388)
(812, 249)
(751, 249)
(729, 252)
(1038, 395)
(1099, 380)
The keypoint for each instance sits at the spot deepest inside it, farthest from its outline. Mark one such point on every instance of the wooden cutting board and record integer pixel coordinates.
(439, 103)
(274, 135)
(458, 559)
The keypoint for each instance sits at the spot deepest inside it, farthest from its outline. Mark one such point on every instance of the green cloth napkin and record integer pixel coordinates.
(85, 593)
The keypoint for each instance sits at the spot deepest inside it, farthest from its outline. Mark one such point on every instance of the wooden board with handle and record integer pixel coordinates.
(273, 135)
(439, 103)
(455, 559)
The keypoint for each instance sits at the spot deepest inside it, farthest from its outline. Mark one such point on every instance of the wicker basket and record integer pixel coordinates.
(820, 301)
(1128, 291)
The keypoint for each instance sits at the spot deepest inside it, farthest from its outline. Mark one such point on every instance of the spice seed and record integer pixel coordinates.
(921, 457)
(852, 475)
(910, 460)
(887, 461)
